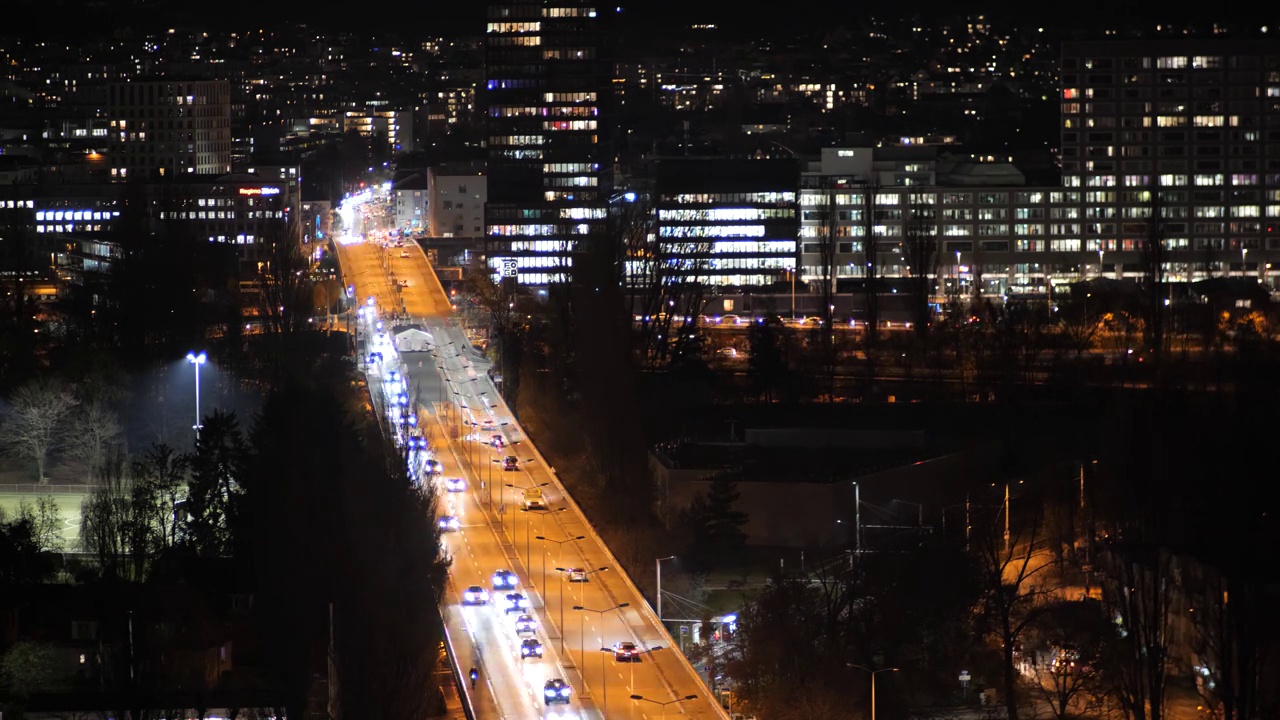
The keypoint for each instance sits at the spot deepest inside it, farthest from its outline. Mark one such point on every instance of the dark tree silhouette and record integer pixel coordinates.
(715, 526)
(214, 500)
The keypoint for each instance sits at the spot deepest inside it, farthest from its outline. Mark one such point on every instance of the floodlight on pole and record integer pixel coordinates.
(197, 360)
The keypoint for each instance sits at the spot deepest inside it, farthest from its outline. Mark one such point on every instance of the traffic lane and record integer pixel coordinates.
(607, 590)
(479, 555)
(473, 562)
(670, 670)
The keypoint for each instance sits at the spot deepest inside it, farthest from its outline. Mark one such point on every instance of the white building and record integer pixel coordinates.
(457, 197)
(410, 198)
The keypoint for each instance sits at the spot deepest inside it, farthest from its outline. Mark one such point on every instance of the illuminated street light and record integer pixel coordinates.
(873, 673)
(197, 360)
(664, 705)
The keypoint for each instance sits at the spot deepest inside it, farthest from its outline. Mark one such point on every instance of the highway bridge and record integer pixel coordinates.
(474, 435)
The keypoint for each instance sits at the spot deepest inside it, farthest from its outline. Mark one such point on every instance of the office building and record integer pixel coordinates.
(727, 222)
(392, 127)
(78, 223)
(169, 127)
(548, 150)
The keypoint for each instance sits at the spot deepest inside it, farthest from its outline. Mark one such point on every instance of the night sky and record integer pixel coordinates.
(419, 18)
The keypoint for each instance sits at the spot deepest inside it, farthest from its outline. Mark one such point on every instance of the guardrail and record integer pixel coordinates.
(38, 489)
(456, 670)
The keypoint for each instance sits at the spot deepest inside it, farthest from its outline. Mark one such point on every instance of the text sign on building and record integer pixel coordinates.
(250, 191)
(509, 268)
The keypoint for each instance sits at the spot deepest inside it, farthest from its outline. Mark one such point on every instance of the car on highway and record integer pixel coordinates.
(530, 648)
(534, 500)
(505, 580)
(510, 463)
(449, 523)
(434, 467)
(577, 575)
(498, 441)
(404, 253)
(555, 691)
(626, 652)
(455, 484)
(516, 603)
(526, 625)
(417, 442)
(475, 595)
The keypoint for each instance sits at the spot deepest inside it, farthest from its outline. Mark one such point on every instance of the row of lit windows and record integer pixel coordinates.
(569, 125)
(571, 167)
(575, 181)
(575, 97)
(60, 215)
(581, 213)
(222, 215)
(518, 154)
(515, 27)
(711, 231)
(15, 204)
(538, 111)
(715, 198)
(69, 228)
(563, 12)
(524, 229)
(723, 214)
(543, 246)
(517, 140)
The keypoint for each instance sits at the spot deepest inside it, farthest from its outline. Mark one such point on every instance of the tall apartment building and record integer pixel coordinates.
(169, 127)
(547, 83)
(1184, 134)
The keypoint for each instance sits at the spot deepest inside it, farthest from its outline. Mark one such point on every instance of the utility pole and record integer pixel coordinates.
(857, 516)
(1006, 516)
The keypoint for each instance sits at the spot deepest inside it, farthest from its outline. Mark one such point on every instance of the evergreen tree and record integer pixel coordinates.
(214, 490)
(716, 536)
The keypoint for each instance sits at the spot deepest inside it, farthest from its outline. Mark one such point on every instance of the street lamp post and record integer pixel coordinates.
(873, 673)
(582, 646)
(664, 705)
(513, 513)
(528, 552)
(658, 565)
(197, 360)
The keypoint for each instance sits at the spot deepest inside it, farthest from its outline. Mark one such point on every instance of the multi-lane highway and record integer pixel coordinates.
(476, 438)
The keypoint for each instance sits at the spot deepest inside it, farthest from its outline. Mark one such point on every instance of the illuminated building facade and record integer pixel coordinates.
(727, 222)
(394, 127)
(78, 223)
(547, 82)
(169, 127)
(1182, 134)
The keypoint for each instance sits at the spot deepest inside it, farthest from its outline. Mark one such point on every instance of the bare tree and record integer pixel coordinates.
(283, 282)
(825, 335)
(117, 525)
(92, 434)
(35, 422)
(1137, 591)
(921, 243)
(1015, 565)
(1232, 627)
(1154, 280)
(870, 282)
